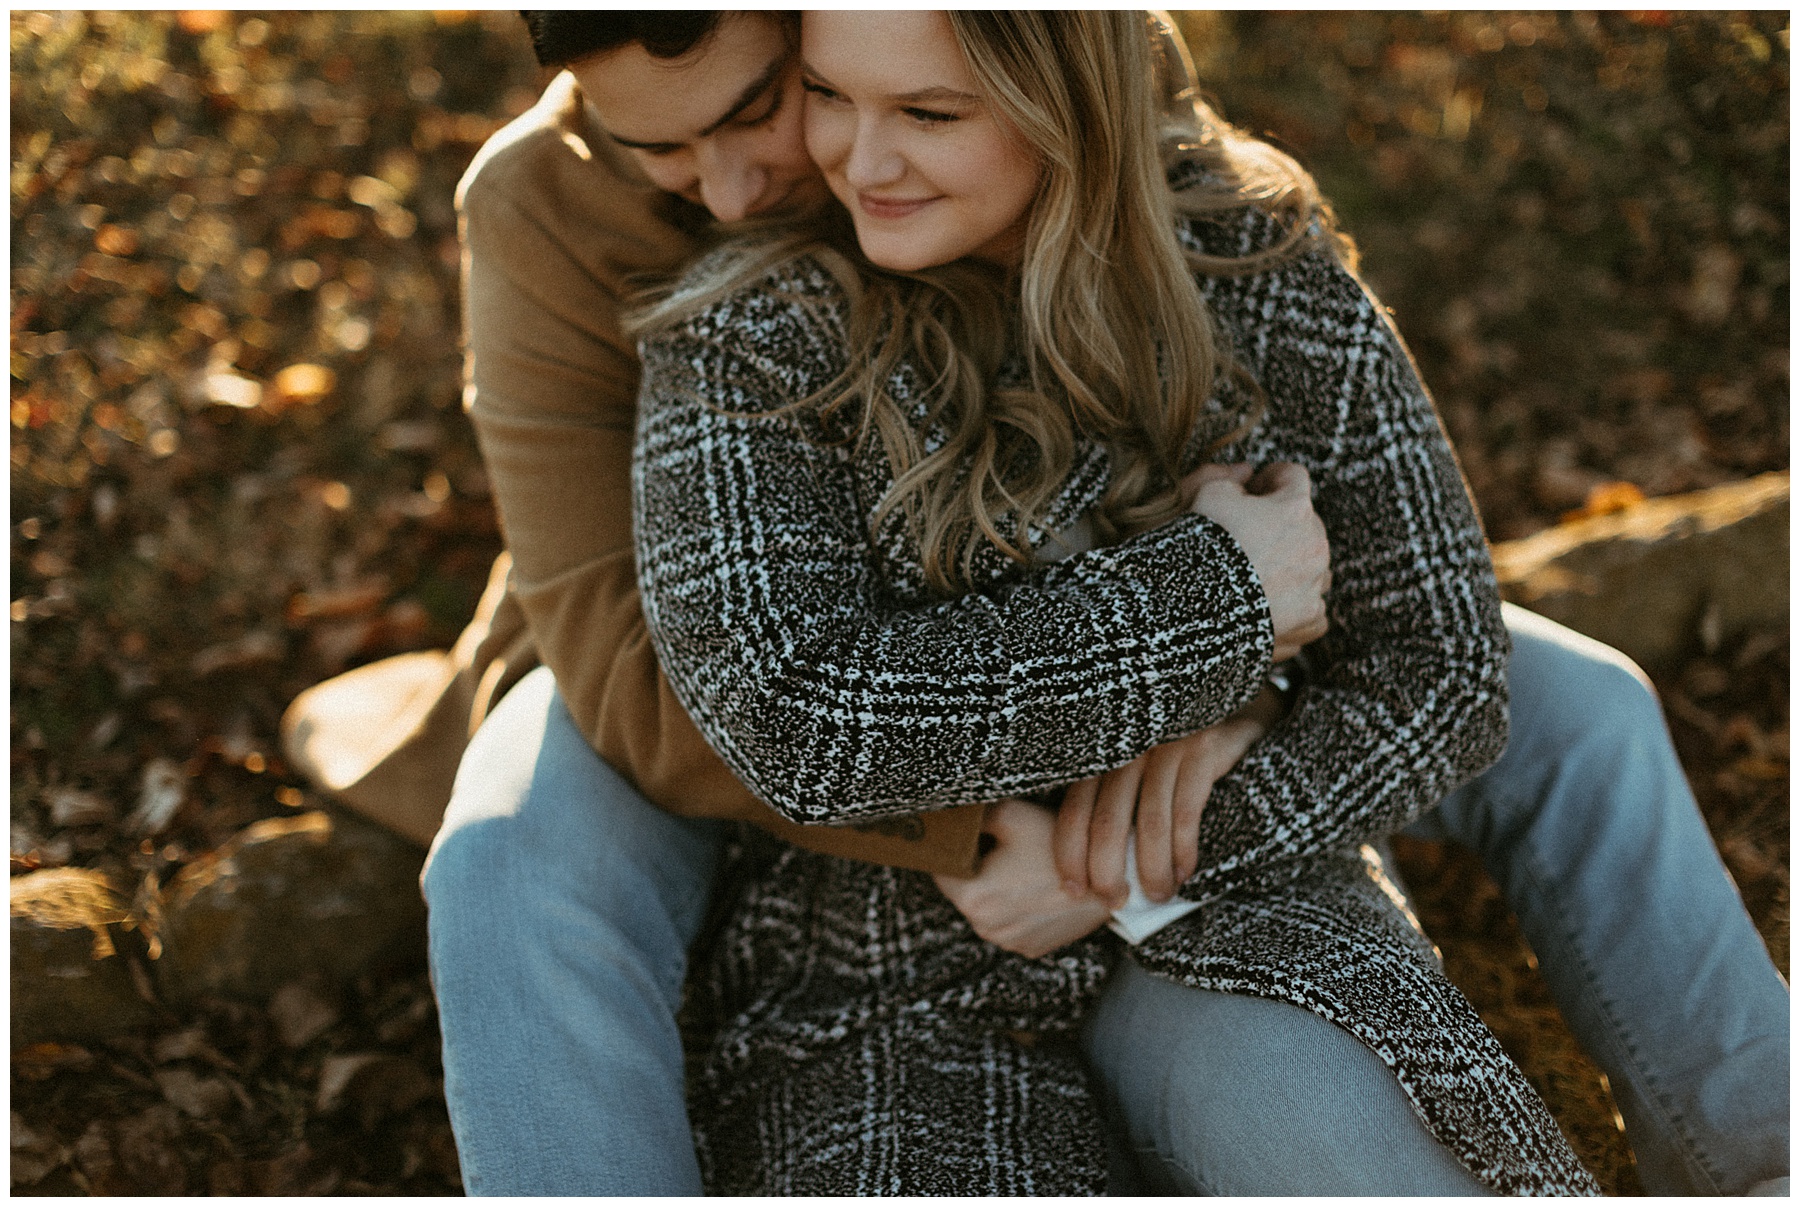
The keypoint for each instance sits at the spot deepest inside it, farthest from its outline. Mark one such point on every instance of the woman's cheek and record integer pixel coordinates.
(828, 134)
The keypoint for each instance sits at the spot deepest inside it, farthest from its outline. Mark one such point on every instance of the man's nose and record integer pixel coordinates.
(873, 160)
(674, 173)
(731, 183)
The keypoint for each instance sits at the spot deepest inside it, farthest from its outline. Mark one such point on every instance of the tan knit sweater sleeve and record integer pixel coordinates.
(554, 226)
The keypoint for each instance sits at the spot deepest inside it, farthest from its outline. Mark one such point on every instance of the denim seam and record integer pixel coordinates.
(687, 920)
(1651, 1092)
(1202, 1187)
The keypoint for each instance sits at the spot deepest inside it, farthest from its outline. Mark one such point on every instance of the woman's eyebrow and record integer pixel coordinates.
(937, 93)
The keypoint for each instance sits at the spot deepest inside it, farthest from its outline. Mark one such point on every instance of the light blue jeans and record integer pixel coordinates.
(562, 904)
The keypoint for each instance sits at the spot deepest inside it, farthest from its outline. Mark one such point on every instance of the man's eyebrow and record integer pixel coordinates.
(748, 96)
(745, 99)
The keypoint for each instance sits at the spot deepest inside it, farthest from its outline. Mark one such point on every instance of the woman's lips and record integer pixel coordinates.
(884, 207)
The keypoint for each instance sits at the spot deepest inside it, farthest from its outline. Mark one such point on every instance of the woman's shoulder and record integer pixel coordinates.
(745, 293)
(1241, 232)
(782, 320)
(1250, 253)
(1250, 209)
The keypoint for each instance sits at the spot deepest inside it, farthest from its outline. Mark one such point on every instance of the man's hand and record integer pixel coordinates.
(1015, 900)
(1163, 793)
(1271, 516)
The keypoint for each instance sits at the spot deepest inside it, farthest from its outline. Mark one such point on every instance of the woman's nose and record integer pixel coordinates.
(874, 159)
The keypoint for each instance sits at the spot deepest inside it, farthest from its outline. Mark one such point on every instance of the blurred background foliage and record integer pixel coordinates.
(239, 462)
(239, 465)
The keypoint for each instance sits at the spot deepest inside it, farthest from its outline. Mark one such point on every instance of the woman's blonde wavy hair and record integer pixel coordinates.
(1103, 314)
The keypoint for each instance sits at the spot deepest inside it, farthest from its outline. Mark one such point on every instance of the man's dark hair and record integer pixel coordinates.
(562, 36)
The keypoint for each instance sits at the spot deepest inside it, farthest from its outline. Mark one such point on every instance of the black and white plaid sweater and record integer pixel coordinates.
(865, 1040)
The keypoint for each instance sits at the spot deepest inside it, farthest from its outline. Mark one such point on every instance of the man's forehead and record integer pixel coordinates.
(642, 100)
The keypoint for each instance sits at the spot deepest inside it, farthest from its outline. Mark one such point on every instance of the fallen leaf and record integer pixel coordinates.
(201, 20)
(1606, 498)
(94, 1156)
(116, 240)
(1759, 768)
(38, 1061)
(335, 604)
(295, 1172)
(388, 1087)
(231, 390)
(1714, 284)
(163, 792)
(185, 1044)
(255, 648)
(33, 1155)
(148, 1155)
(301, 1013)
(78, 807)
(195, 1096)
(335, 1075)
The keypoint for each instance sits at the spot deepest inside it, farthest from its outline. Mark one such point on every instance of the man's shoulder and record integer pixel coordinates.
(550, 168)
(533, 143)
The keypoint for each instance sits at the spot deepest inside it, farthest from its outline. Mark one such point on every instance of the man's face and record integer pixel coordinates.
(720, 126)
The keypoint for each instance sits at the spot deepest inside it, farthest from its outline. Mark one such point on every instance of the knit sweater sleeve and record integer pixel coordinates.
(835, 702)
(1408, 695)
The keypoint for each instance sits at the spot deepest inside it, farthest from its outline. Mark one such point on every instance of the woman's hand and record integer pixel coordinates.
(1162, 793)
(1015, 899)
(1270, 514)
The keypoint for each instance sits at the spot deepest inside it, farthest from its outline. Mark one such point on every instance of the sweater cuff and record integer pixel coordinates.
(1191, 585)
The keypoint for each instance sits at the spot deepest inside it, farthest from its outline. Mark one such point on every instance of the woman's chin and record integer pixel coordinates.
(884, 250)
(895, 261)
(911, 253)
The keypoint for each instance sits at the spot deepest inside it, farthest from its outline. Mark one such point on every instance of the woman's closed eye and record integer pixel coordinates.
(925, 117)
(932, 117)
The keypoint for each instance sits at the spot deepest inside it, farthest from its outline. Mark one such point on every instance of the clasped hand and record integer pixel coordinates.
(1269, 513)
(1053, 877)
(1159, 796)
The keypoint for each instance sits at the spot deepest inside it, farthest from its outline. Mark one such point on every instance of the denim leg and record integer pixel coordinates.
(1223, 1094)
(562, 904)
(1589, 827)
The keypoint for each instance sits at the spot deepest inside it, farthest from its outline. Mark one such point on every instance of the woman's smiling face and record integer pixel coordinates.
(895, 120)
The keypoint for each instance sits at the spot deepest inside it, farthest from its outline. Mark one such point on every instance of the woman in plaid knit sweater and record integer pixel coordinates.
(857, 457)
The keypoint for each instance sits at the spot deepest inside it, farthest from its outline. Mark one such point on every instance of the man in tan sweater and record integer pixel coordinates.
(572, 868)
